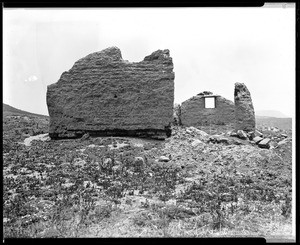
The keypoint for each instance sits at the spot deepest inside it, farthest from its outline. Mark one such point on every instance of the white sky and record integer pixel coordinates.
(212, 48)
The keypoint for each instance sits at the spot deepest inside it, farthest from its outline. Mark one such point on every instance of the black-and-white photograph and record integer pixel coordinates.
(149, 122)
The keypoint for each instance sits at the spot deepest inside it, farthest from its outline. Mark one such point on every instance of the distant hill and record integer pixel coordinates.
(281, 123)
(11, 111)
(270, 113)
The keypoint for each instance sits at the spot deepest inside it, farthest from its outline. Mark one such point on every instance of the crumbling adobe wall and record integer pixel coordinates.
(194, 113)
(244, 110)
(104, 95)
(177, 115)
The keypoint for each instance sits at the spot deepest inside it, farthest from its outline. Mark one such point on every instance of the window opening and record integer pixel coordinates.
(210, 102)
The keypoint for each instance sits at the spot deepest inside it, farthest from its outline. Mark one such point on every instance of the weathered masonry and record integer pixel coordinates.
(207, 108)
(102, 94)
(244, 111)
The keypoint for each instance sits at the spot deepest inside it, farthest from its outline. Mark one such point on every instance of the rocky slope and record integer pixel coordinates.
(102, 94)
(198, 182)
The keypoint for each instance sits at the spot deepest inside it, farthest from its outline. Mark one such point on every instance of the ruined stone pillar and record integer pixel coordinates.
(244, 111)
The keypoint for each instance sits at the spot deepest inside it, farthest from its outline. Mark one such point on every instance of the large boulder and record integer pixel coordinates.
(244, 111)
(102, 94)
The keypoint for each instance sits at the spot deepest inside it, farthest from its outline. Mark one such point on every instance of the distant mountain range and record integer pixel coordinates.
(12, 111)
(270, 113)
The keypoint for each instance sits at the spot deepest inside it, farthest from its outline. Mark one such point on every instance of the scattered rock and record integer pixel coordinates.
(139, 163)
(264, 143)
(274, 129)
(244, 111)
(86, 136)
(273, 144)
(117, 168)
(233, 134)
(257, 139)
(241, 134)
(282, 142)
(236, 142)
(251, 135)
(163, 159)
(196, 131)
(223, 140)
(218, 139)
(107, 162)
(258, 133)
(196, 142)
(42, 137)
(284, 135)
(205, 93)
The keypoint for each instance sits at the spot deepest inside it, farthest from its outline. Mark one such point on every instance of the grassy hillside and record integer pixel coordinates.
(11, 111)
(18, 125)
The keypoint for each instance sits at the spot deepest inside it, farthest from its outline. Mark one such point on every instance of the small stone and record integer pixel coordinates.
(282, 142)
(223, 140)
(241, 134)
(116, 168)
(264, 143)
(139, 163)
(118, 163)
(196, 142)
(85, 136)
(107, 162)
(195, 132)
(257, 139)
(284, 135)
(258, 133)
(237, 142)
(163, 159)
(273, 144)
(233, 134)
(251, 135)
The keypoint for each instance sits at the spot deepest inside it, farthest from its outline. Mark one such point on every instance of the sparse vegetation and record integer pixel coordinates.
(94, 187)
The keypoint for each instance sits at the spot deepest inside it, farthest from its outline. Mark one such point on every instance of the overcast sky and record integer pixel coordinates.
(212, 48)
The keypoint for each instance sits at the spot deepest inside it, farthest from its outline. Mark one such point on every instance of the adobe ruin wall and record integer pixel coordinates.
(194, 113)
(103, 95)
